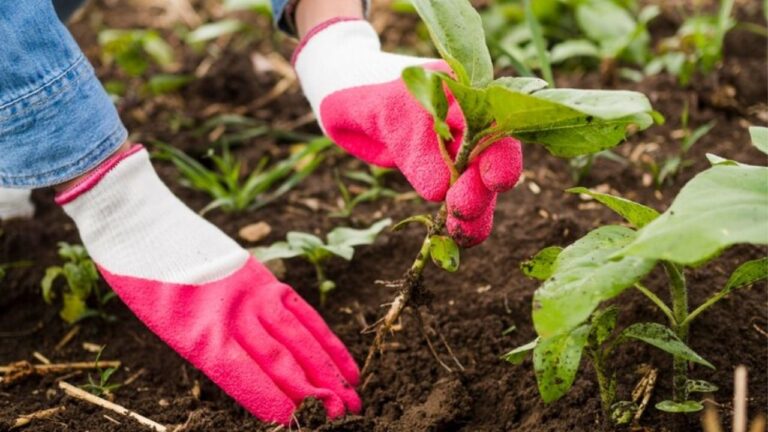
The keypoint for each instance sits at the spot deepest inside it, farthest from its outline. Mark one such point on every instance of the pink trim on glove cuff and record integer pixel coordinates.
(94, 177)
(315, 30)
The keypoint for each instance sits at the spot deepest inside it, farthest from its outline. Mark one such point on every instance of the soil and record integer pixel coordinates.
(409, 390)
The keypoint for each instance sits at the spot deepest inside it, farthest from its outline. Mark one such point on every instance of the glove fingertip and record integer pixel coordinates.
(469, 233)
(501, 164)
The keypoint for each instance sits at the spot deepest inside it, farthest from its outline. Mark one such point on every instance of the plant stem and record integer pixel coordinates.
(704, 306)
(657, 301)
(679, 293)
(539, 43)
(606, 383)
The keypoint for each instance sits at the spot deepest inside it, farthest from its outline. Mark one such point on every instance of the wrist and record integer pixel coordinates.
(310, 13)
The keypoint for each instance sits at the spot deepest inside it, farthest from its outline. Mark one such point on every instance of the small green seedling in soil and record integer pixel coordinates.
(226, 185)
(672, 165)
(81, 285)
(723, 206)
(567, 122)
(373, 190)
(340, 242)
(230, 26)
(697, 46)
(102, 387)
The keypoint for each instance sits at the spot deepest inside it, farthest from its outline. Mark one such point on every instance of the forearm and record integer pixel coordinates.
(310, 13)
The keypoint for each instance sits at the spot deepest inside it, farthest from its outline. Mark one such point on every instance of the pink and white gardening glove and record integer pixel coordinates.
(207, 297)
(363, 105)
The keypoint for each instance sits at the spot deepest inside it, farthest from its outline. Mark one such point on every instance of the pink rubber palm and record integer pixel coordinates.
(365, 107)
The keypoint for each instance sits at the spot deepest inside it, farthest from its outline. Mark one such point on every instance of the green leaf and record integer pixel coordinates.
(584, 276)
(427, 88)
(720, 207)
(517, 355)
(157, 48)
(603, 324)
(425, 220)
(607, 23)
(573, 48)
(556, 361)
(343, 236)
(635, 213)
(747, 274)
(260, 6)
(679, 407)
(700, 386)
(665, 339)
(570, 122)
(541, 265)
(525, 85)
(457, 32)
(444, 252)
(303, 241)
(473, 103)
(539, 43)
(74, 308)
(167, 83)
(51, 273)
(275, 251)
(759, 137)
(214, 30)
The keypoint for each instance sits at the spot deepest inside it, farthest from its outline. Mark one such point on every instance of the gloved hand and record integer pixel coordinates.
(207, 297)
(362, 104)
(15, 203)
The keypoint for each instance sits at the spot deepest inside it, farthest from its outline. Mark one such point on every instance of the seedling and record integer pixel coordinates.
(231, 192)
(697, 46)
(82, 284)
(374, 190)
(672, 165)
(720, 207)
(102, 387)
(567, 122)
(340, 242)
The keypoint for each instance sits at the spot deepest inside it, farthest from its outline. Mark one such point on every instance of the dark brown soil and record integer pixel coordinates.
(408, 390)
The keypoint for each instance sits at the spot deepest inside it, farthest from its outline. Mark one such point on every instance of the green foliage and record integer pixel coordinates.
(664, 339)
(679, 407)
(635, 213)
(82, 283)
(444, 252)
(759, 138)
(340, 243)
(517, 355)
(697, 46)
(134, 50)
(167, 83)
(226, 185)
(556, 361)
(541, 265)
(374, 189)
(102, 386)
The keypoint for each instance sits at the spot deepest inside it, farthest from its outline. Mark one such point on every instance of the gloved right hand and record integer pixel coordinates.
(207, 297)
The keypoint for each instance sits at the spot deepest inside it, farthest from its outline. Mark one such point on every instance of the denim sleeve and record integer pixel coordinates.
(56, 120)
(282, 12)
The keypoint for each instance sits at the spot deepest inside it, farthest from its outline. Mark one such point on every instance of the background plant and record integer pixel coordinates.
(81, 285)
(340, 242)
(720, 207)
(226, 184)
(373, 190)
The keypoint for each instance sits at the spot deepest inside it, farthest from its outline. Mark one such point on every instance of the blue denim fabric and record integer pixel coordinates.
(56, 120)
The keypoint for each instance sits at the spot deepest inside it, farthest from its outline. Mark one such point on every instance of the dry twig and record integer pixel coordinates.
(83, 395)
(26, 419)
(740, 399)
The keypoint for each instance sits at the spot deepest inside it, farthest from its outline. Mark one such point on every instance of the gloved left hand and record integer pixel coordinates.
(362, 103)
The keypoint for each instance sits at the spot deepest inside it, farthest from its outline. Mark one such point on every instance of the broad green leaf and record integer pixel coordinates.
(700, 386)
(427, 88)
(457, 32)
(303, 241)
(603, 324)
(759, 137)
(540, 266)
(74, 308)
(570, 122)
(573, 48)
(343, 251)
(635, 213)
(747, 274)
(213, 30)
(343, 236)
(51, 273)
(517, 355)
(584, 276)
(679, 407)
(720, 207)
(664, 339)
(473, 103)
(556, 361)
(525, 85)
(444, 252)
(275, 251)
(606, 22)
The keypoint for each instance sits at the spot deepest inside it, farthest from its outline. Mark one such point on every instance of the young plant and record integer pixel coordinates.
(720, 207)
(567, 122)
(102, 387)
(697, 46)
(82, 284)
(340, 243)
(226, 185)
(374, 190)
(673, 164)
